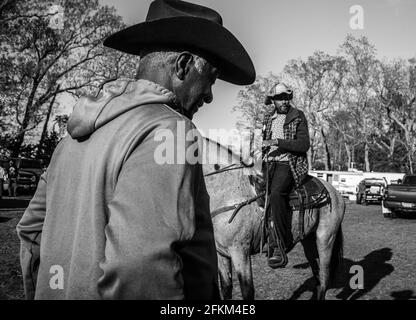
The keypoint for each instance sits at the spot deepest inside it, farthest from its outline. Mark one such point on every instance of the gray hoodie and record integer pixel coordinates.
(107, 221)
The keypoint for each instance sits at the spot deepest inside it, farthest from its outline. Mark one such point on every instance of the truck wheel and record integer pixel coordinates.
(391, 215)
(387, 214)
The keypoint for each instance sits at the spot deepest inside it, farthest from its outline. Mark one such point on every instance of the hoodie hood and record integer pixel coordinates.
(116, 98)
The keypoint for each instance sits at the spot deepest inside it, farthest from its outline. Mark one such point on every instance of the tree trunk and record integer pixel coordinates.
(410, 157)
(349, 155)
(45, 126)
(20, 137)
(366, 157)
(410, 150)
(327, 154)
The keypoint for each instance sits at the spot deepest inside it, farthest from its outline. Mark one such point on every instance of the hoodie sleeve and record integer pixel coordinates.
(29, 230)
(151, 213)
(302, 143)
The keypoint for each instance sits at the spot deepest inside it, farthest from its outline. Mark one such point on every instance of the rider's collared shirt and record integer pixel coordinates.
(278, 120)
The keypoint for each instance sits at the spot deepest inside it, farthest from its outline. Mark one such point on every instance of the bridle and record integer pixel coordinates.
(233, 166)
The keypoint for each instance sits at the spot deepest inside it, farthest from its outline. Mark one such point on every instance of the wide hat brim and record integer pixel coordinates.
(284, 96)
(198, 35)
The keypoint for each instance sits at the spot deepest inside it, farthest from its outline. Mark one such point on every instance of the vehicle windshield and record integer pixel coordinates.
(410, 180)
(27, 163)
(374, 182)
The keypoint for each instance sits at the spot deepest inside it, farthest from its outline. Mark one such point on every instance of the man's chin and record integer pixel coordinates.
(190, 113)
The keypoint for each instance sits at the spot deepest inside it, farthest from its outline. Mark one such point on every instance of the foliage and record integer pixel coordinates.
(361, 111)
(40, 61)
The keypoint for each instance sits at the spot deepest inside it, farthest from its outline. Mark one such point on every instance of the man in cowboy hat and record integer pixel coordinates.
(107, 221)
(285, 142)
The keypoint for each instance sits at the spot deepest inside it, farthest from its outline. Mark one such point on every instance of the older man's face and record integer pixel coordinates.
(197, 88)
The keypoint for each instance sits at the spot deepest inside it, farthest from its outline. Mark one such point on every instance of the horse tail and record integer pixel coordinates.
(337, 254)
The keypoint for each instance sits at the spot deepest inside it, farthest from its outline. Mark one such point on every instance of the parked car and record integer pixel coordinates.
(28, 173)
(400, 198)
(370, 190)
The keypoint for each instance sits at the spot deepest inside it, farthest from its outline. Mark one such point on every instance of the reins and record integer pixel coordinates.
(229, 168)
(236, 207)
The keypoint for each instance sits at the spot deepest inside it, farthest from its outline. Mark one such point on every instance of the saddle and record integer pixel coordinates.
(310, 195)
(304, 202)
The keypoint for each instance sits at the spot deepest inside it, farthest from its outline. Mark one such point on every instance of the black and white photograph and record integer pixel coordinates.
(210, 151)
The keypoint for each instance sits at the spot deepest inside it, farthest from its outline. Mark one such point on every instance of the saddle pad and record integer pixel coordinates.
(310, 217)
(311, 193)
(309, 221)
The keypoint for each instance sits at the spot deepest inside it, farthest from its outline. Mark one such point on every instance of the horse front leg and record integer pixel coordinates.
(242, 264)
(226, 279)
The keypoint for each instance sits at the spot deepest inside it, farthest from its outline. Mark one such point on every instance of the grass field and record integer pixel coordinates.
(385, 248)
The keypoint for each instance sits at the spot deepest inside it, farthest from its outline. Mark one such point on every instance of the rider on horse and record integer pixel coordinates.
(285, 143)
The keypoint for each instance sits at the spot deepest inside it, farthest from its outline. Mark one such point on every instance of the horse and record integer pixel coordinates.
(238, 240)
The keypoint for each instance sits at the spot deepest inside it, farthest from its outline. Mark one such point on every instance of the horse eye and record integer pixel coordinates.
(217, 167)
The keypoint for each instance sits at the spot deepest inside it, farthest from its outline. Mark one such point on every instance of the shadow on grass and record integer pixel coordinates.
(4, 219)
(403, 295)
(375, 266)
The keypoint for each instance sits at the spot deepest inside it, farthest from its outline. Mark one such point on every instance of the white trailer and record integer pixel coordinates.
(346, 182)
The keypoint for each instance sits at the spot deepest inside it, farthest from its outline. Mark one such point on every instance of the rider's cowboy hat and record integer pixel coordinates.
(280, 91)
(184, 25)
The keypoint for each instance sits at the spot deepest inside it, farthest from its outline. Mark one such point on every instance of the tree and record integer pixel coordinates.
(360, 111)
(250, 105)
(397, 96)
(316, 83)
(41, 62)
(359, 86)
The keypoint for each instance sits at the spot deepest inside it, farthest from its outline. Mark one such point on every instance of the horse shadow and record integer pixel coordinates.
(375, 266)
(403, 295)
(4, 219)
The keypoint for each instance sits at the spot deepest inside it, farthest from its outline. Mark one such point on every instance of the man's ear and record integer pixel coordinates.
(183, 64)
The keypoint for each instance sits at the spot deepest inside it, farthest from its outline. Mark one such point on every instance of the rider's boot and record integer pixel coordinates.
(277, 255)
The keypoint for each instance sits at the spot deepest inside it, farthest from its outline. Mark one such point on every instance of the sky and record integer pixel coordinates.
(275, 31)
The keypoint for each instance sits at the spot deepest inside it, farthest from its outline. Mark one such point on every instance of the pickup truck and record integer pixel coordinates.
(400, 198)
(370, 190)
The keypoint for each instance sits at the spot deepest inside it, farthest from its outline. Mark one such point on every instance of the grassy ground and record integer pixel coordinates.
(11, 286)
(384, 248)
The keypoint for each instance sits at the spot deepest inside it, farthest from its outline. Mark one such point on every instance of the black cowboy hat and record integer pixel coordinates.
(179, 24)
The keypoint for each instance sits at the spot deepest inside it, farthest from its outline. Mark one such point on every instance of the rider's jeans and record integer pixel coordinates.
(282, 183)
